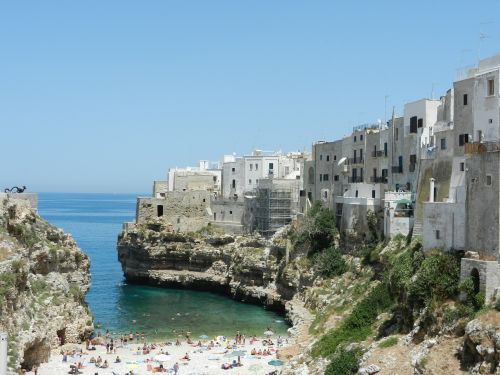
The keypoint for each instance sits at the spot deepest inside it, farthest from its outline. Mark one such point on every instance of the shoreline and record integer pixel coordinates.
(203, 359)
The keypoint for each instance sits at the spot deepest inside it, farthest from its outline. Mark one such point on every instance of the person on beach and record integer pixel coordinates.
(118, 360)
(176, 368)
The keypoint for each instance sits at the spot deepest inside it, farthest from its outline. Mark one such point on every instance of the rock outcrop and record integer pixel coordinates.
(43, 280)
(243, 267)
(481, 347)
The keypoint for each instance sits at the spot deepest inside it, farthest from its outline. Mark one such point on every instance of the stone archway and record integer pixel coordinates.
(474, 274)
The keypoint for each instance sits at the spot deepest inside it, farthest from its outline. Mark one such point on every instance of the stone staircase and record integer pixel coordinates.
(417, 227)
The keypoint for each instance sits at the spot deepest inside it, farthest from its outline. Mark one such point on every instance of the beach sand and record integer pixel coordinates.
(202, 360)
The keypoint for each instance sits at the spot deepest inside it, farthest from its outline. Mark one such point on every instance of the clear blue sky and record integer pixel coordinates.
(104, 96)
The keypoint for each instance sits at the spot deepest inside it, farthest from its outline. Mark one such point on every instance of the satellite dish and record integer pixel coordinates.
(342, 161)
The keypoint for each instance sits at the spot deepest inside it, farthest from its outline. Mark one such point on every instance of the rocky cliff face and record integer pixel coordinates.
(43, 279)
(246, 268)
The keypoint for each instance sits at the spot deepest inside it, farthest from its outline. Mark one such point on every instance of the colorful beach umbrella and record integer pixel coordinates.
(236, 353)
(276, 362)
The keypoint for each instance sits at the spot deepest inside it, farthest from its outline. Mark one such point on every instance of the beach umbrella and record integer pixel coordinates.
(268, 333)
(275, 362)
(204, 337)
(236, 353)
(162, 358)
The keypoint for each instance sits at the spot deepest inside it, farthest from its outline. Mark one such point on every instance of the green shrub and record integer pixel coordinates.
(391, 341)
(479, 300)
(344, 362)
(38, 286)
(473, 299)
(497, 304)
(452, 315)
(78, 257)
(76, 292)
(436, 279)
(329, 263)
(357, 326)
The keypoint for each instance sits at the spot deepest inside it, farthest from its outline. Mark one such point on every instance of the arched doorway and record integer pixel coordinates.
(474, 274)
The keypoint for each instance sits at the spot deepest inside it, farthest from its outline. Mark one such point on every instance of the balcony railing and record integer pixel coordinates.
(355, 179)
(378, 154)
(378, 180)
(397, 169)
(356, 160)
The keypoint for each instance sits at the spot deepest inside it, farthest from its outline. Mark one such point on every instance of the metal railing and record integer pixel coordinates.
(378, 153)
(378, 179)
(356, 160)
(355, 179)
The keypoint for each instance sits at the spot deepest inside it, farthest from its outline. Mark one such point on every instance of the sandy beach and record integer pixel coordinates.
(203, 360)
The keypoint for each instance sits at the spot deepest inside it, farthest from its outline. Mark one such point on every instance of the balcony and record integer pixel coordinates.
(397, 169)
(357, 160)
(378, 154)
(378, 179)
(355, 179)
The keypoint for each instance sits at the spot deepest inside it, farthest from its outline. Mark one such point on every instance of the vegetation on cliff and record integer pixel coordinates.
(43, 280)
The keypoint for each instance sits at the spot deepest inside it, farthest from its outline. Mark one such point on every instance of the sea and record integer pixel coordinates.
(94, 221)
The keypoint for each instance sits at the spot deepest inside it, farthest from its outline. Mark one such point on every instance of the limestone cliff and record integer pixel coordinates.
(43, 279)
(383, 307)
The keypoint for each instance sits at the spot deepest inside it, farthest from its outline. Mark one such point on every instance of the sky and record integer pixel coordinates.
(105, 96)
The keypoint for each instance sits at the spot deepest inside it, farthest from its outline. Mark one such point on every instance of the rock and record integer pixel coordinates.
(480, 347)
(46, 277)
(369, 370)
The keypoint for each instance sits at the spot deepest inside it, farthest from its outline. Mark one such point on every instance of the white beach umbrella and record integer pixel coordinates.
(268, 333)
(162, 358)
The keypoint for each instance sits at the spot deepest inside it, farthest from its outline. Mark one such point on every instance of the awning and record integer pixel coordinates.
(404, 201)
(342, 161)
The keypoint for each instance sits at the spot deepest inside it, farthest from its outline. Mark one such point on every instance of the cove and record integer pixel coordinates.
(95, 220)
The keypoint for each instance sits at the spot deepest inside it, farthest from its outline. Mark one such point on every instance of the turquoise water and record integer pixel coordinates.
(95, 220)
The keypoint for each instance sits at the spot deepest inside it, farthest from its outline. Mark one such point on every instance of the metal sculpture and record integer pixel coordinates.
(15, 189)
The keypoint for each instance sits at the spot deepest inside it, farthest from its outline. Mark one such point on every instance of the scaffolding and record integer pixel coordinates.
(275, 208)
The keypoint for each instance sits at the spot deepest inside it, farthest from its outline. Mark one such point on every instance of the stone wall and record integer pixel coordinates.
(489, 275)
(185, 211)
(31, 198)
(443, 227)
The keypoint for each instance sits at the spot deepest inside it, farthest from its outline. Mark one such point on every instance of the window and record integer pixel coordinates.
(334, 157)
(233, 170)
(159, 210)
(287, 170)
(361, 137)
(462, 167)
(204, 200)
(488, 180)
(413, 124)
(327, 157)
(256, 167)
(178, 220)
(397, 134)
(320, 177)
(230, 212)
(357, 193)
(385, 148)
(325, 194)
(361, 155)
(491, 87)
(336, 177)
(354, 138)
(250, 181)
(233, 184)
(465, 99)
(320, 157)
(443, 143)
(438, 234)
(490, 121)
(463, 139)
(271, 166)
(373, 193)
(420, 123)
(251, 166)
(325, 177)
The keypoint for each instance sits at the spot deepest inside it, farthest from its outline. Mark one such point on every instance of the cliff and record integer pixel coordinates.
(377, 307)
(43, 280)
